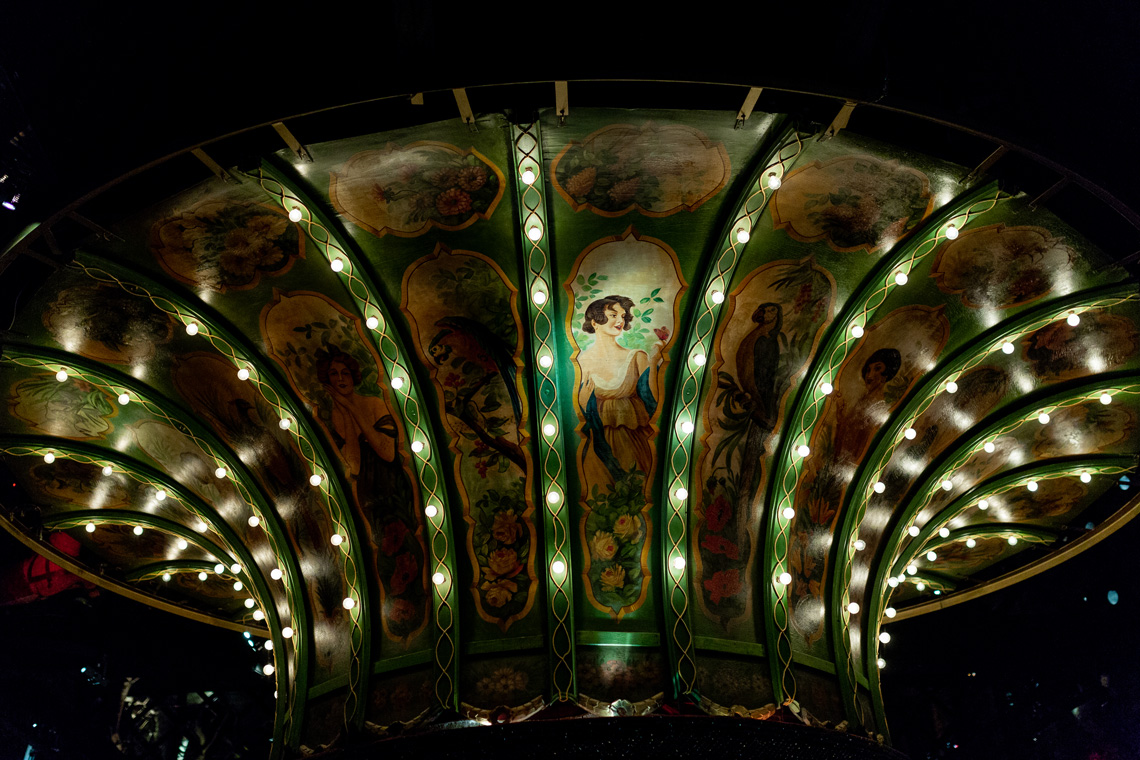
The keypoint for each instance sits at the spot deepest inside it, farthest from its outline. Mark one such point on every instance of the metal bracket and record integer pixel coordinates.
(215, 167)
(561, 102)
(749, 103)
(1056, 188)
(294, 144)
(840, 121)
(465, 112)
(984, 166)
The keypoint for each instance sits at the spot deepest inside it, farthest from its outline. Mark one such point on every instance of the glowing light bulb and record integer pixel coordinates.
(284, 423)
(788, 513)
(803, 450)
(336, 539)
(49, 457)
(254, 521)
(548, 429)
(220, 472)
(774, 180)
(1006, 347)
(438, 578)
(879, 487)
(107, 470)
(687, 427)
(275, 573)
(971, 543)
(1086, 478)
(286, 632)
(219, 568)
(558, 567)
(678, 563)
(857, 331)
(893, 582)
(528, 176)
(860, 544)
(235, 568)
(1031, 485)
(90, 527)
(912, 569)
(890, 612)
(535, 234)
(259, 615)
(124, 399)
(1073, 319)
(853, 608)
(553, 497)
(372, 323)
(1043, 418)
(742, 236)
(952, 232)
(201, 526)
(885, 637)
(238, 587)
(202, 576)
(160, 495)
(913, 530)
(944, 532)
(989, 447)
(699, 360)
(243, 374)
(545, 360)
(931, 556)
(947, 485)
(61, 376)
(138, 530)
(417, 446)
(539, 297)
(397, 383)
(314, 480)
(267, 670)
(951, 387)
(348, 603)
(430, 510)
(183, 544)
(1106, 398)
(337, 265)
(191, 328)
(166, 577)
(784, 579)
(717, 296)
(881, 663)
(1013, 540)
(920, 586)
(910, 433)
(681, 494)
(901, 278)
(295, 214)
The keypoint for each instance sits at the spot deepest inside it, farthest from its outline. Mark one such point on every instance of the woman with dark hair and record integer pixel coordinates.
(757, 362)
(616, 395)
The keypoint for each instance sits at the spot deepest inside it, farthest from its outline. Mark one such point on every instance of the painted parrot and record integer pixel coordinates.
(471, 340)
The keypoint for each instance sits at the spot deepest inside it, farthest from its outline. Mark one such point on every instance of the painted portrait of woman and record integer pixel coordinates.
(616, 395)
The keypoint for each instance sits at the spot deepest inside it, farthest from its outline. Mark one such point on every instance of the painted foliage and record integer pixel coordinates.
(107, 324)
(406, 190)
(335, 370)
(626, 292)
(1101, 342)
(73, 409)
(772, 329)
(1084, 429)
(870, 384)
(466, 328)
(653, 169)
(1000, 267)
(220, 246)
(852, 203)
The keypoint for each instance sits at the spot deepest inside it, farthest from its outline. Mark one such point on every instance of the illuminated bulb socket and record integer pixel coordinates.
(295, 214)
(558, 567)
(337, 265)
(947, 485)
(856, 331)
(397, 383)
(853, 608)
(138, 530)
(545, 360)
(880, 487)
(893, 582)
(202, 576)
(243, 374)
(192, 328)
(983, 505)
(1086, 478)
(182, 543)
(61, 376)
(717, 297)
(885, 637)
(1031, 485)
(535, 234)
(220, 472)
(913, 530)
(952, 232)
(901, 278)
(774, 180)
(803, 450)
(989, 447)
(742, 236)
(336, 539)
(1007, 347)
(284, 423)
(417, 446)
(784, 579)
(826, 388)
(1013, 540)
(971, 543)
(1106, 398)
(889, 612)
(951, 387)
(348, 603)
(548, 429)
(881, 663)
(314, 480)
(108, 470)
(678, 563)
(201, 527)
(90, 527)
(912, 569)
(944, 533)
(438, 578)
(124, 399)
(166, 577)
(372, 323)
(860, 544)
(238, 587)
(1043, 418)
(910, 433)
(49, 457)
(931, 556)
(268, 670)
(687, 427)
(528, 176)
(431, 510)
(286, 632)
(235, 568)
(275, 573)
(920, 586)
(699, 360)
(219, 568)
(788, 513)
(259, 615)
(681, 494)
(539, 297)
(160, 496)
(553, 497)
(1073, 319)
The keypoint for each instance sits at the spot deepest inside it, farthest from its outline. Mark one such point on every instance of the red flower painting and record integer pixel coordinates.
(724, 583)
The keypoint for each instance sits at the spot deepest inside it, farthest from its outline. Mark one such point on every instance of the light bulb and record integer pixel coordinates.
(348, 603)
(952, 232)
(681, 494)
(259, 615)
(774, 180)
(336, 539)
(913, 530)
(788, 513)
(535, 234)
(372, 323)
(1006, 347)
(238, 587)
(947, 485)
(219, 568)
(545, 360)
(61, 376)
(49, 457)
(912, 569)
(678, 563)
(857, 331)
(286, 632)
(1085, 477)
(528, 176)
(284, 423)
(553, 497)
(183, 544)
(107, 470)
(742, 236)
(558, 567)
(220, 472)
(1031, 485)
(539, 297)
(826, 388)
(124, 399)
(699, 360)
(853, 608)
(295, 214)
(254, 521)
(803, 450)
(890, 612)
(989, 447)
(717, 296)
(267, 670)
(920, 586)
(1073, 319)
(944, 532)
(417, 446)
(202, 576)
(881, 663)
(438, 578)
(910, 433)
(138, 530)
(337, 265)
(549, 429)
(166, 577)
(1043, 418)
(160, 495)
(900, 278)
(1106, 398)
(931, 556)
(397, 383)
(885, 637)
(893, 582)
(951, 387)
(784, 579)
(687, 427)
(235, 568)
(971, 543)
(243, 374)
(430, 510)
(192, 328)
(90, 527)
(314, 479)
(984, 504)
(275, 573)
(860, 544)
(201, 526)
(1013, 540)
(880, 487)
